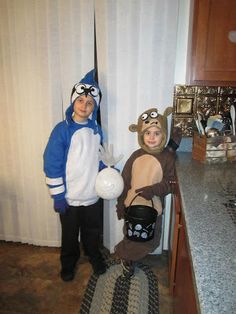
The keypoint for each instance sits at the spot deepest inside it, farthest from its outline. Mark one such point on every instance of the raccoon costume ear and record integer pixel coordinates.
(133, 128)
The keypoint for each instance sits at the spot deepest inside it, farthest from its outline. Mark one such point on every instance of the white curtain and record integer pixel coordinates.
(46, 46)
(136, 45)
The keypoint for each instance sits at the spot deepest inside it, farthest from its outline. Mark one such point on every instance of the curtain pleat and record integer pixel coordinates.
(136, 49)
(46, 47)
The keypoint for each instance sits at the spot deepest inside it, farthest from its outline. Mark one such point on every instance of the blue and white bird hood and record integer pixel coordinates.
(88, 87)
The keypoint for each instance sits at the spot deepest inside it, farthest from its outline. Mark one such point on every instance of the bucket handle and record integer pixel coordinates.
(135, 198)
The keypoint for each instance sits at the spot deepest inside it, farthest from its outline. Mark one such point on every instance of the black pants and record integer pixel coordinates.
(86, 221)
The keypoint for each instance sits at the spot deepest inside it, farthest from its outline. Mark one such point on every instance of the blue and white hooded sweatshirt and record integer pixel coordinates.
(71, 157)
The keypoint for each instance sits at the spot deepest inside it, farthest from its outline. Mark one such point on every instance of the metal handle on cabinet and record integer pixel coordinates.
(173, 183)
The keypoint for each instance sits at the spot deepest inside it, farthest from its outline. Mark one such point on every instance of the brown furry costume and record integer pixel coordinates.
(148, 172)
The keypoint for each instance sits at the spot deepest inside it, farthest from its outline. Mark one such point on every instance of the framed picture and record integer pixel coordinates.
(184, 105)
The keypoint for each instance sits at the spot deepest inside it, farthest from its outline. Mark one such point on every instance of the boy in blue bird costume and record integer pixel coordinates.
(71, 165)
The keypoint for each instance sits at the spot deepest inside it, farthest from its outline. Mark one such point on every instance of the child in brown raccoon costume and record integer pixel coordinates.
(148, 176)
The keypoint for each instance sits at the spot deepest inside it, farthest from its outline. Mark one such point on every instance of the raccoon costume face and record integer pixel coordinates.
(147, 119)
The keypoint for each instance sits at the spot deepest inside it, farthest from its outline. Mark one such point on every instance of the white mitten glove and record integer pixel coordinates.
(106, 155)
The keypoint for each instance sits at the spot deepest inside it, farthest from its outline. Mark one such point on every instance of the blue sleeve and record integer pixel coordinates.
(54, 161)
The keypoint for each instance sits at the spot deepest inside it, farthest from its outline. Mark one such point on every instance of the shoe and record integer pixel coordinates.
(128, 268)
(67, 275)
(99, 267)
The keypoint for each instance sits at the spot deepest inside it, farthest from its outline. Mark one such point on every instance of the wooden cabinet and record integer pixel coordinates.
(180, 269)
(184, 293)
(213, 60)
(173, 239)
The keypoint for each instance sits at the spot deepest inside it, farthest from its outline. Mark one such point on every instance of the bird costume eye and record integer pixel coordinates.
(144, 116)
(80, 88)
(94, 91)
(87, 90)
(153, 114)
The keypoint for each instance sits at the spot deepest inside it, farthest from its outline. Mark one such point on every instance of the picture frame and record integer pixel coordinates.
(184, 105)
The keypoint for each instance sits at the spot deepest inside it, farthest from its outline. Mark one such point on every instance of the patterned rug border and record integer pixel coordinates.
(116, 289)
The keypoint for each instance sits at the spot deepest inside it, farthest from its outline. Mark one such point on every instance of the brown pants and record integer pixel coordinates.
(134, 251)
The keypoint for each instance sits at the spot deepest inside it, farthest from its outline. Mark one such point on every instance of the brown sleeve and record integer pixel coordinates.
(175, 139)
(168, 165)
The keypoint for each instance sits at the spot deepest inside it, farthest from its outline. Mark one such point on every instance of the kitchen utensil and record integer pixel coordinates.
(203, 119)
(212, 132)
(207, 113)
(169, 125)
(226, 121)
(200, 123)
(215, 122)
(232, 115)
(198, 127)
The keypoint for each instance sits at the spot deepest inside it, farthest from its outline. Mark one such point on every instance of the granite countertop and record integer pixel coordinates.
(208, 193)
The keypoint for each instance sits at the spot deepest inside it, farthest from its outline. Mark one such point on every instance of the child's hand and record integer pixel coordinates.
(106, 155)
(146, 192)
(60, 206)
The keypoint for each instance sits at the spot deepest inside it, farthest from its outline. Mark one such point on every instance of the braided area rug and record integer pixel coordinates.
(112, 293)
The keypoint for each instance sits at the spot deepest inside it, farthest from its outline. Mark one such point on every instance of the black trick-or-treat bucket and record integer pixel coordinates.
(140, 222)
